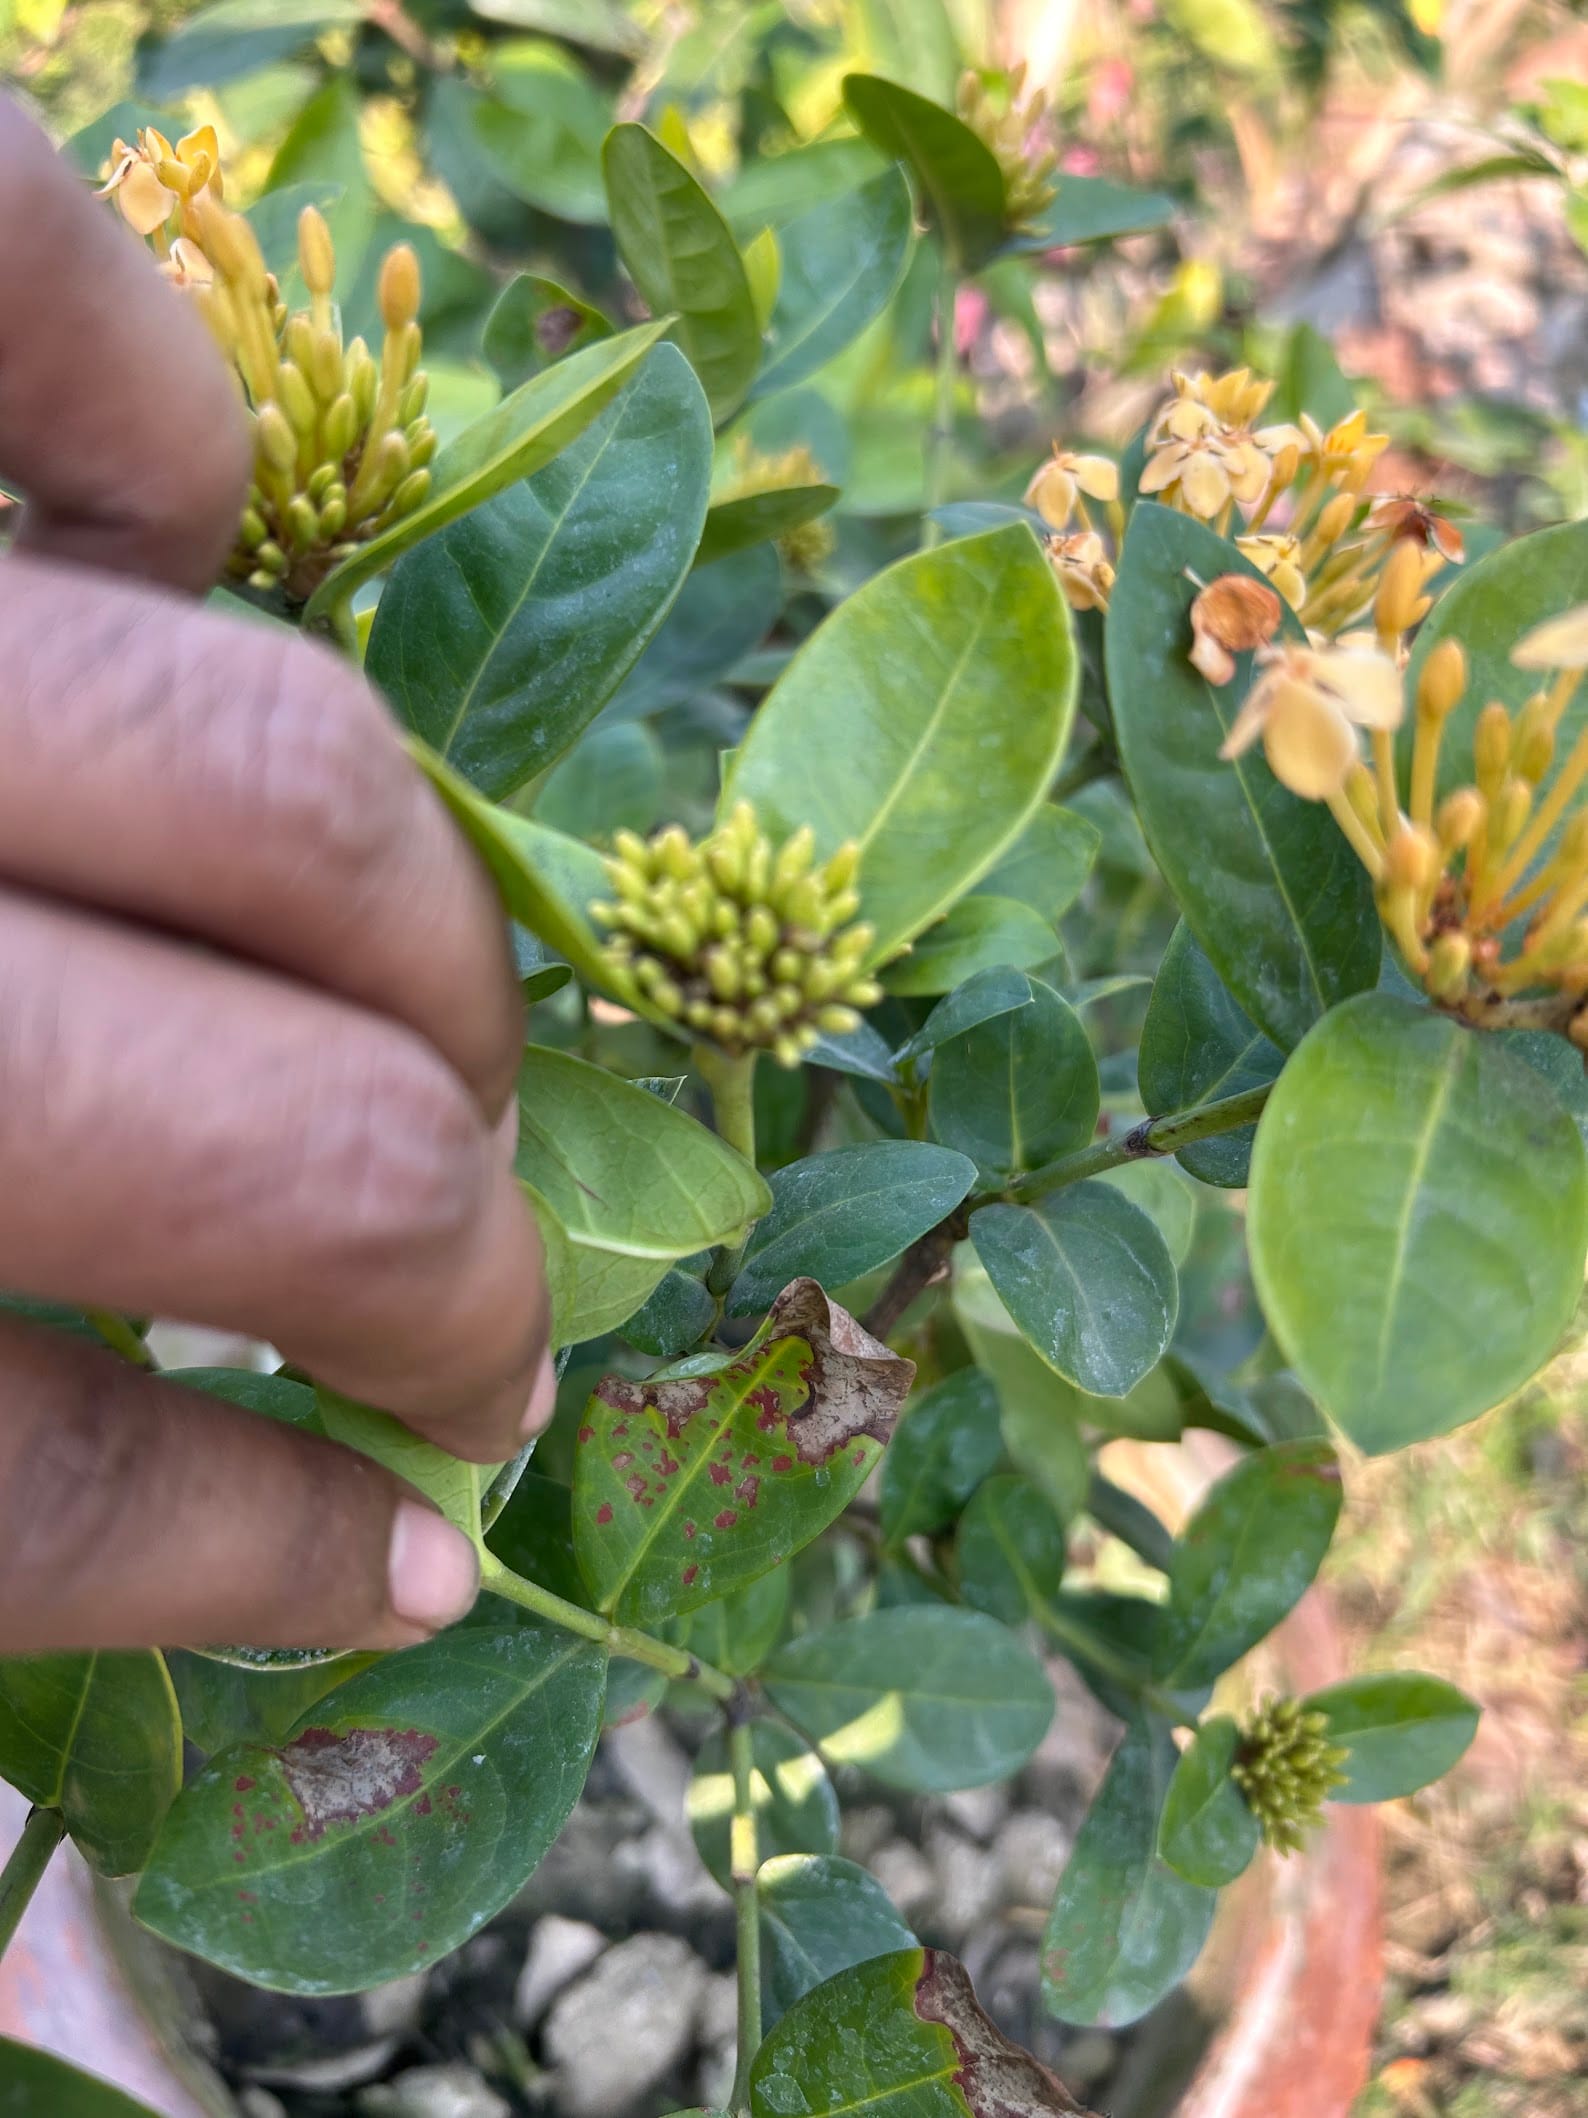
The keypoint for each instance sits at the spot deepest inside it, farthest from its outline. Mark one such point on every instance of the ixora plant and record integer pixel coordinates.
(1359, 794)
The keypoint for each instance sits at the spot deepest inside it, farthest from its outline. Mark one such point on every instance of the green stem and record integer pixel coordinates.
(1085, 1646)
(675, 1662)
(120, 1337)
(732, 1083)
(939, 440)
(24, 1871)
(1153, 1137)
(745, 1863)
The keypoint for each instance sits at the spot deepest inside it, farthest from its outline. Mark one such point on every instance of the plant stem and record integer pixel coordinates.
(745, 1862)
(675, 1662)
(24, 1871)
(1152, 1137)
(940, 437)
(923, 1264)
(1084, 1645)
(732, 1084)
(120, 1337)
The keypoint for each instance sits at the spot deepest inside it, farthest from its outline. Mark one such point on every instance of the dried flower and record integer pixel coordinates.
(1287, 1768)
(754, 947)
(1307, 706)
(1231, 616)
(1084, 570)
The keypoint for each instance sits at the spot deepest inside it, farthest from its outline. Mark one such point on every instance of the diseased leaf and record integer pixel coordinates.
(947, 1443)
(796, 1810)
(902, 695)
(499, 639)
(956, 177)
(819, 1916)
(403, 1812)
(687, 1488)
(1124, 1927)
(1010, 1550)
(1401, 1728)
(737, 1632)
(1017, 1089)
(98, 1737)
(533, 323)
(1245, 1558)
(920, 1697)
(1197, 1047)
(843, 259)
(1207, 1833)
(838, 1215)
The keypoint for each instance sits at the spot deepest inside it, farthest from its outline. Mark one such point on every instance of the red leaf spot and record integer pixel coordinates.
(604, 1513)
(422, 1806)
(587, 1433)
(339, 1779)
(689, 1529)
(243, 1784)
(246, 1897)
(668, 1465)
(749, 1457)
(720, 1477)
(727, 1519)
(623, 1459)
(689, 1576)
(239, 1856)
(782, 1463)
(620, 1430)
(857, 1456)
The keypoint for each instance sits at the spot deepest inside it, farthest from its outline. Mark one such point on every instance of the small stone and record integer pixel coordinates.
(559, 1949)
(719, 2010)
(622, 2028)
(259, 2103)
(651, 1765)
(908, 1877)
(392, 2010)
(978, 1811)
(454, 2091)
(867, 1826)
(1033, 1848)
(1088, 2057)
(971, 1882)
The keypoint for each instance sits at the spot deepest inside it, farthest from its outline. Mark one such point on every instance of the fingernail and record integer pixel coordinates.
(433, 1572)
(542, 1401)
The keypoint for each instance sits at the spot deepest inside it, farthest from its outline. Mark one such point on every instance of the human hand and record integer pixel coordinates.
(258, 1021)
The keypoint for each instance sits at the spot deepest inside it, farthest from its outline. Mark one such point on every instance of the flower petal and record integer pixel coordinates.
(1204, 484)
(1559, 643)
(1309, 743)
(1365, 684)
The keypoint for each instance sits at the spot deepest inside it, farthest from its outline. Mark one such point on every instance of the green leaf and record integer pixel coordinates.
(1010, 1550)
(842, 263)
(736, 1633)
(902, 696)
(1088, 1279)
(819, 1916)
(1158, 1188)
(979, 999)
(689, 1487)
(499, 639)
(1092, 210)
(957, 179)
(1037, 1407)
(1124, 1927)
(676, 1315)
(899, 2037)
(1196, 1047)
(511, 441)
(534, 1536)
(1402, 1729)
(1048, 863)
(535, 322)
(1267, 882)
(681, 255)
(453, 1485)
(1019, 1088)
(405, 1810)
(599, 25)
(223, 1703)
(540, 130)
(35, 2084)
(796, 1810)
(760, 518)
(232, 38)
(920, 1697)
(912, 41)
(611, 780)
(274, 220)
(98, 1737)
(1245, 1558)
(948, 1442)
(838, 1215)
(1418, 1219)
(979, 933)
(1207, 1833)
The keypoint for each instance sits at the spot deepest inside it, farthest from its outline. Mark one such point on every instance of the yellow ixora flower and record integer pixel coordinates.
(1343, 455)
(1062, 486)
(152, 180)
(1277, 556)
(1200, 462)
(1307, 706)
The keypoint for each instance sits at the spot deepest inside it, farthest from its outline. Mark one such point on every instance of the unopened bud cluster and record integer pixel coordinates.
(753, 947)
(808, 545)
(1287, 1768)
(341, 441)
(1005, 128)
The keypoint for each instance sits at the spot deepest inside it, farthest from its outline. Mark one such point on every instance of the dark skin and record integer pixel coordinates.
(260, 1024)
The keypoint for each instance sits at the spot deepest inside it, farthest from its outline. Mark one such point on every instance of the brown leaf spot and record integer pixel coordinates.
(855, 1384)
(604, 1513)
(996, 2078)
(339, 1779)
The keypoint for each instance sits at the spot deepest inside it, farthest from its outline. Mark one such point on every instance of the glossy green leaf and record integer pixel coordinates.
(453, 1485)
(676, 1315)
(837, 1215)
(1048, 863)
(898, 2037)
(98, 1737)
(535, 322)
(736, 1633)
(1267, 882)
(1124, 1927)
(512, 441)
(979, 999)
(599, 25)
(1088, 1279)
(1246, 1557)
(540, 129)
(613, 779)
(35, 2084)
(1158, 1188)
(819, 1916)
(920, 1697)
(723, 613)
(681, 254)
(222, 1703)
(796, 1810)
(1419, 1215)
(1093, 210)
(1123, 1516)
(912, 41)
(842, 262)
(1010, 1550)
(1037, 1407)
(404, 1811)
(760, 518)
(231, 38)
(1401, 1728)
(948, 1441)
(956, 177)
(499, 639)
(1196, 1047)
(902, 695)
(687, 1488)
(1207, 1832)
(1019, 1088)
(980, 933)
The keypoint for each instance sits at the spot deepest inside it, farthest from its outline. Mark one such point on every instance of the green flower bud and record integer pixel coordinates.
(340, 429)
(297, 400)
(1287, 1768)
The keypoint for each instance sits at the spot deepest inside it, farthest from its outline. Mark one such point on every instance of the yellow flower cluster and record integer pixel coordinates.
(754, 947)
(341, 441)
(1287, 1768)
(1005, 128)
(808, 545)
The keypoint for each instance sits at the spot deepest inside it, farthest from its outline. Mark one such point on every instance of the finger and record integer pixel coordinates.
(135, 1513)
(245, 786)
(118, 421)
(185, 1137)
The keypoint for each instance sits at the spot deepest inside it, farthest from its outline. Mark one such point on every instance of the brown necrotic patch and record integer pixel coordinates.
(996, 2078)
(341, 1779)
